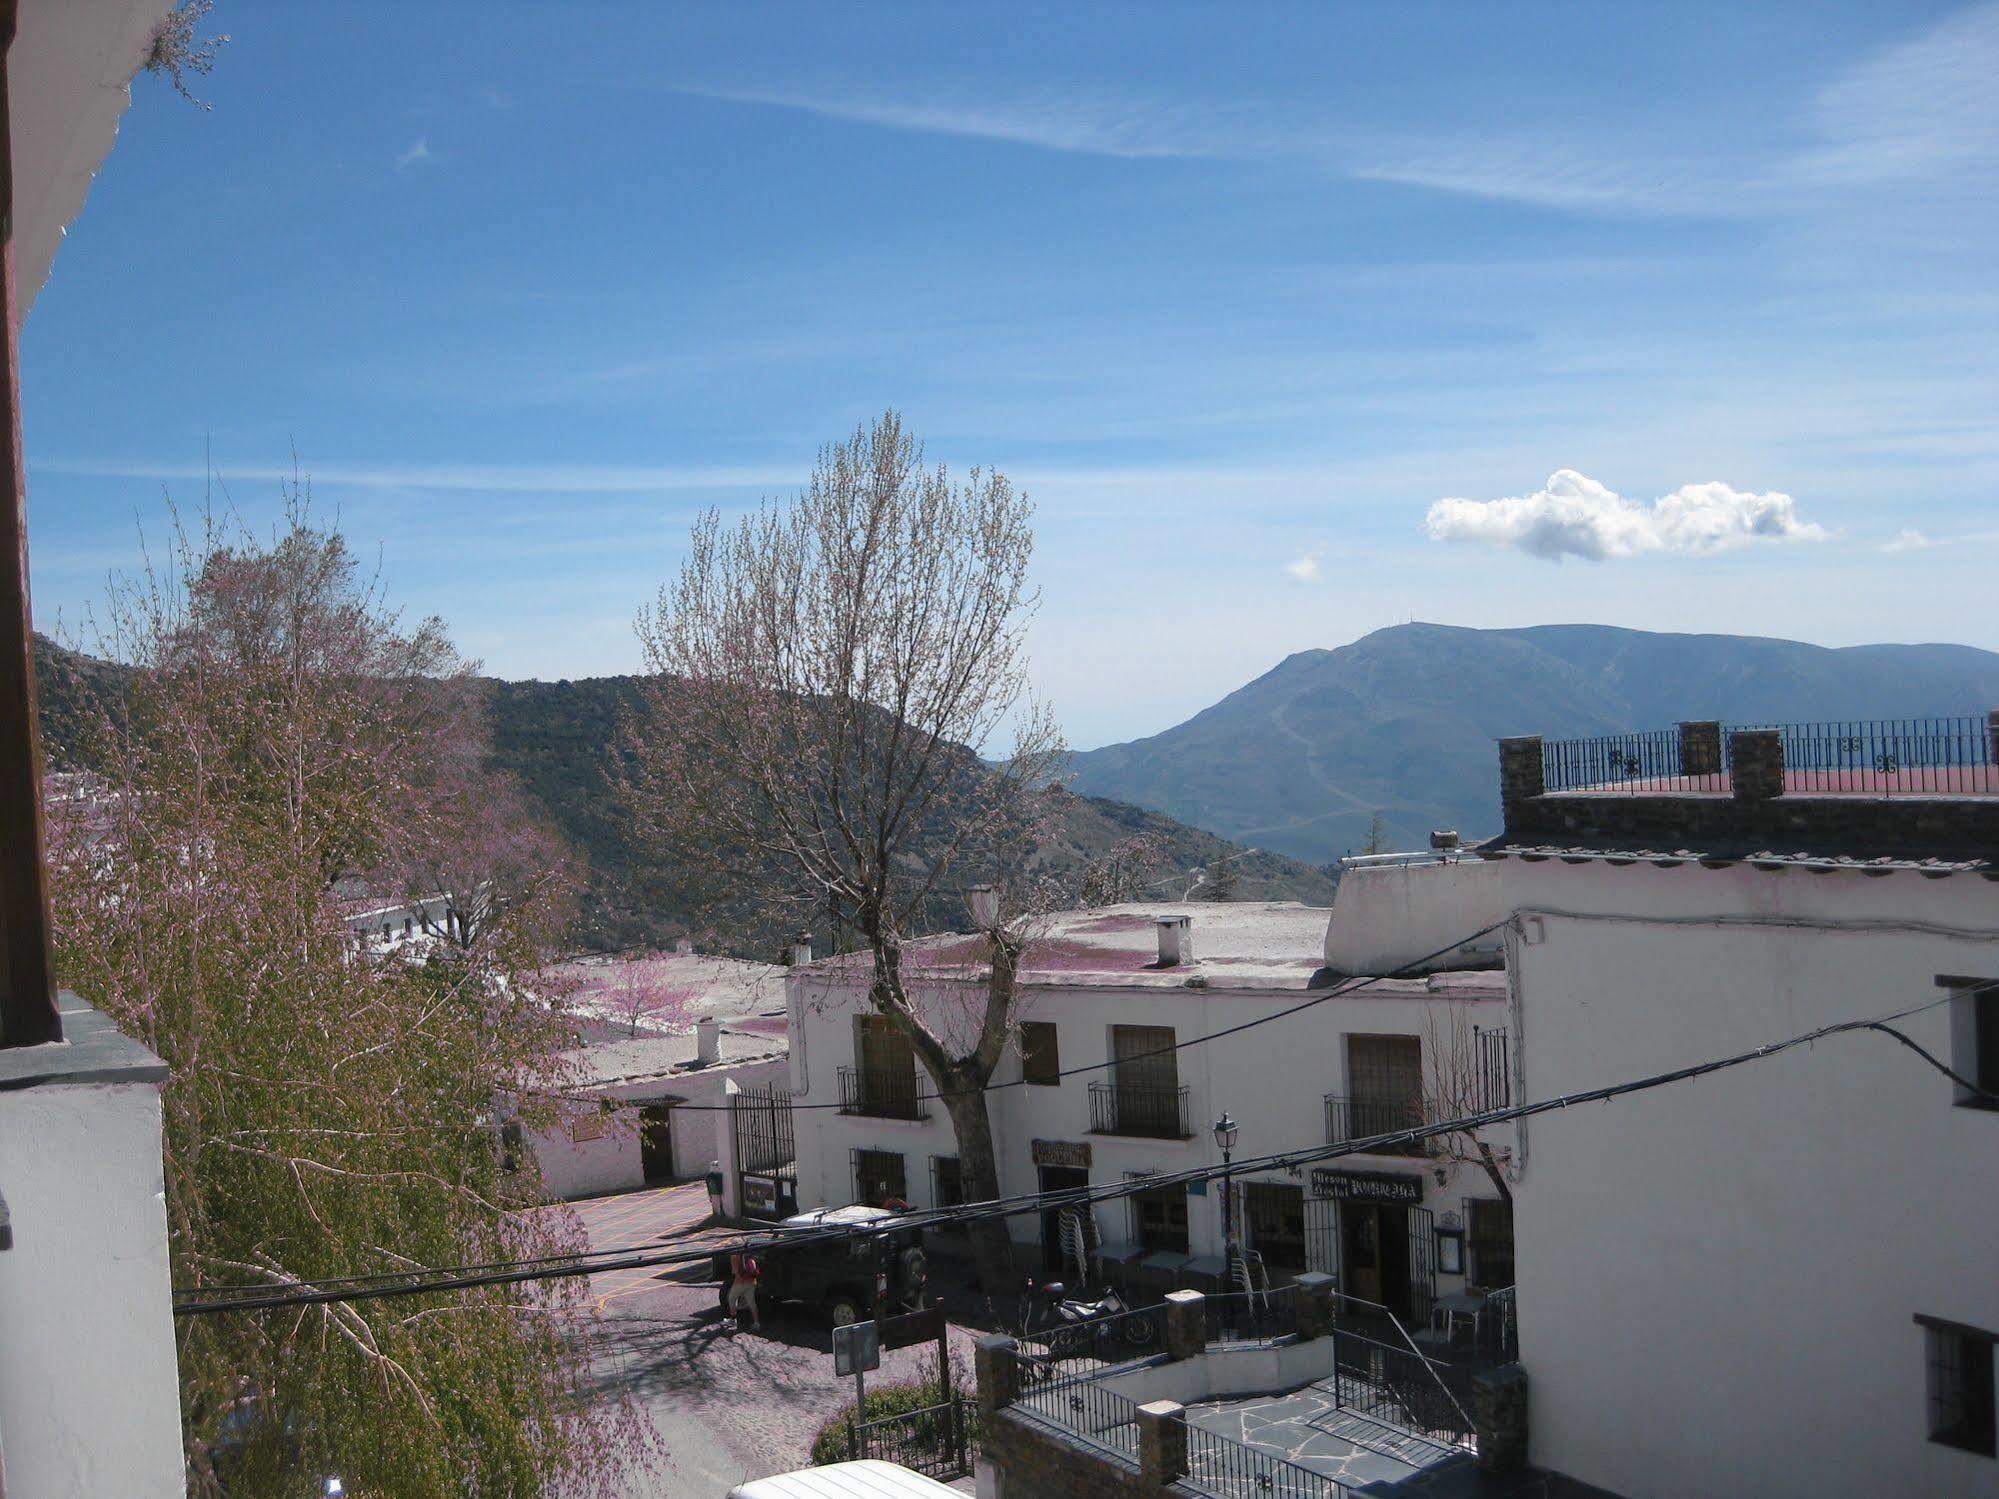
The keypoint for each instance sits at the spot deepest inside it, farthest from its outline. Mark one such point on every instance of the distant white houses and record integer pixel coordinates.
(384, 924)
(1100, 1087)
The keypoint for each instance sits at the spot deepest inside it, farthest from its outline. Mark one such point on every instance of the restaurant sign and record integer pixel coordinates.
(1069, 1153)
(1367, 1186)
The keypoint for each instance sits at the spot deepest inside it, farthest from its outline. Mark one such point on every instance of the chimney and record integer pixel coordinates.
(983, 902)
(707, 1041)
(801, 949)
(1176, 940)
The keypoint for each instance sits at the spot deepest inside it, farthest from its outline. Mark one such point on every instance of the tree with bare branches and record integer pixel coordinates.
(1462, 1082)
(325, 1109)
(826, 673)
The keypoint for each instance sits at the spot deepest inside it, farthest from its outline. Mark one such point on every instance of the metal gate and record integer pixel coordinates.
(1422, 1265)
(766, 1152)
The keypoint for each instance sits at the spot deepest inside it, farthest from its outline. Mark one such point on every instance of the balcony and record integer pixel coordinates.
(1149, 1111)
(1363, 1118)
(881, 1094)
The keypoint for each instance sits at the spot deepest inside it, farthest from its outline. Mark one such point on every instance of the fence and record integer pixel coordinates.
(1149, 1110)
(1078, 1404)
(1891, 757)
(880, 1093)
(1086, 1349)
(1883, 757)
(938, 1440)
(1397, 1385)
(1364, 1118)
(1223, 1467)
(1251, 1316)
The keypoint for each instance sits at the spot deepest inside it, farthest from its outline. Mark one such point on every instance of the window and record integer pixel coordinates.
(1491, 1242)
(1159, 1217)
(588, 1125)
(1961, 1405)
(1040, 1060)
(1974, 1039)
(409, 925)
(879, 1178)
(1385, 1088)
(947, 1182)
(1144, 1096)
(1274, 1214)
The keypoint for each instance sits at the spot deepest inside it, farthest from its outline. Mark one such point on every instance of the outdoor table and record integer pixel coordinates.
(1118, 1254)
(1463, 1304)
(1209, 1267)
(1165, 1265)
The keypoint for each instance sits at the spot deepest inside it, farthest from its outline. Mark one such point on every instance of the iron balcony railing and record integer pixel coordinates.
(1363, 1118)
(881, 1094)
(1152, 1111)
(1947, 756)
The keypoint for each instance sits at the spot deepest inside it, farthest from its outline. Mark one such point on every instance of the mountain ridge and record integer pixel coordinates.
(1402, 721)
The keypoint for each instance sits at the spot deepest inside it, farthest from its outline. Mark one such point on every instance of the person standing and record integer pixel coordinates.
(743, 1275)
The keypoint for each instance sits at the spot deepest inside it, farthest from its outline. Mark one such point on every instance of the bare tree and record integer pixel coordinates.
(497, 865)
(1464, 1079)
(826, 673)
(1122, 871)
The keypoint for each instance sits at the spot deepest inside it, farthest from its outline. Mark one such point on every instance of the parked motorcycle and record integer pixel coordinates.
(1102, 1324)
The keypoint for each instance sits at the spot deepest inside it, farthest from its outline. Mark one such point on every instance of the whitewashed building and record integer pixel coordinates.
(1111, 990)
(1780, 1279)
(643, 1109)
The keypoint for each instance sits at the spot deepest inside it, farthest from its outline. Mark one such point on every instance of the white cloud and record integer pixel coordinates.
(1304, 570)
(419, 150)
(1574, 516)
(1909, 541)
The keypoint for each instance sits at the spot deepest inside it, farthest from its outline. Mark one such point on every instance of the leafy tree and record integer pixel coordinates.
(826, 674)
(1377, 836)
(327, 1109)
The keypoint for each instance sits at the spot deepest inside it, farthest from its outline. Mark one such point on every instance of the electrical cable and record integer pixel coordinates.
(205, 1301)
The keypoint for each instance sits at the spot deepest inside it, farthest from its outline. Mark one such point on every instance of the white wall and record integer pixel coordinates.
(1717, 1279)
(613, 1163)
(1272, 1079)
(89, 1391)
(1387, 916)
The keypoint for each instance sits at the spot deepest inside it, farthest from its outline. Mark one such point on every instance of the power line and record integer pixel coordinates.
(392, 1284)
(1411, 969)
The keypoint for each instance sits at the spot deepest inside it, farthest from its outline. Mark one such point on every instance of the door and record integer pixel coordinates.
(1057, 1179)
(656, 1141)
(1385, 1081)
(1375, 1247)
(1145, 1072)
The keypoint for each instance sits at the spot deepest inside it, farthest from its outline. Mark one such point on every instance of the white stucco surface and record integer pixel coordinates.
(89, 1392)
(1718, 1279)
(67, 77)
(1389, 917)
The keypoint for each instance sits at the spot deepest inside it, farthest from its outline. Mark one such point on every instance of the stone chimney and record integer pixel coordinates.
(801, 949)
(1520, 775)
(983, 902)
(1757, 757)
(1176, 940)
(707, 1041)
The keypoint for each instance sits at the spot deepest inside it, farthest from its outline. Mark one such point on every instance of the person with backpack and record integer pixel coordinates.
(743, 1275)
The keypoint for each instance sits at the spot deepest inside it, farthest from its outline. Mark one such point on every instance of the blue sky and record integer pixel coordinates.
(1238, 293)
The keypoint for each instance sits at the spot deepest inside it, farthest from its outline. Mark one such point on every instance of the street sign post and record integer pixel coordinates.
(925, 1326)
(857, 1349)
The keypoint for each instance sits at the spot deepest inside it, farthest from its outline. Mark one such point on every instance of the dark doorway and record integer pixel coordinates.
(656, 1142)
(1375, 1247)
(1057, 1179)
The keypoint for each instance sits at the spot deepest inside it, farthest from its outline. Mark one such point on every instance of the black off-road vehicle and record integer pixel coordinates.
(853, 1278)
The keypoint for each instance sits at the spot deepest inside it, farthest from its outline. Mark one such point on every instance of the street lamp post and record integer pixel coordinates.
(1225, 1133)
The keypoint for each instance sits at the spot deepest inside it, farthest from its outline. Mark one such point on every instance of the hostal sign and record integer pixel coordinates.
(1367, 1186)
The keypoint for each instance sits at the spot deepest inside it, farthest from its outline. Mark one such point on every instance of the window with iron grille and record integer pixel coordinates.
(1491, 1242)
(947, 1190)
(1159, 1216)
(1275, 1215)
(1962, 1408)
(1040, 1059)
(878, 1177)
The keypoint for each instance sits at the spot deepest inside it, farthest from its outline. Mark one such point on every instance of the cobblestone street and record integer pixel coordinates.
(728, 1406)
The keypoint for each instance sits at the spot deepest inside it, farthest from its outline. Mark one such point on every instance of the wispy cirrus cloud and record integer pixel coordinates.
(417, 151)
(496, 478)
(1575, 516)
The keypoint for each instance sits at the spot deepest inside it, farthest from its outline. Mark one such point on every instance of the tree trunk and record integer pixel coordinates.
(978, 1170)
(1493, 1170)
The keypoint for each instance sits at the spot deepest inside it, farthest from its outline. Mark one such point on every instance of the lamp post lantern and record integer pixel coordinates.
(1225, 1133)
